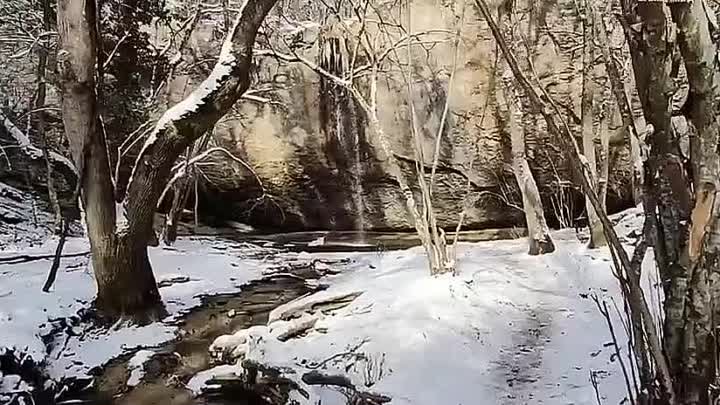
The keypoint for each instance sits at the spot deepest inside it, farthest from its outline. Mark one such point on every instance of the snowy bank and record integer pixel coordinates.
(510, 328)
(192, 268)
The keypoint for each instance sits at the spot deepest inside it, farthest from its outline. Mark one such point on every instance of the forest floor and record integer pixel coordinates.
(508, 329)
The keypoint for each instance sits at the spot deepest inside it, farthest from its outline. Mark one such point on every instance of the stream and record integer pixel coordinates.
(174, 363)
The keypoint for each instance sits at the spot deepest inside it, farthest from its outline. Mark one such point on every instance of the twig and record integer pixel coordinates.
(602, 307)
(349, 351)
(594, 382)
(115, 49)
(56, 259)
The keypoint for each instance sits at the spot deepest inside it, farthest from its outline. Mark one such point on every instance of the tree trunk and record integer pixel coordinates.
(124, 280)
(606, 115)
(597, 237)
(634, 127)
(181, 192)
(40, 124)
(539, 239)
(665, 178)
(699, 53)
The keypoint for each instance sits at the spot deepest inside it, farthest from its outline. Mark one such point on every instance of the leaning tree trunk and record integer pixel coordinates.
(124, 277)
(539, 239)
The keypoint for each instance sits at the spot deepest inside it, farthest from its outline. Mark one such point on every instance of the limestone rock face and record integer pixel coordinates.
(312, 161)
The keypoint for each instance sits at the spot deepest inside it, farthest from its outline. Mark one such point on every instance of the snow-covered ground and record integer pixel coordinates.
(509, 329)
(193, 267)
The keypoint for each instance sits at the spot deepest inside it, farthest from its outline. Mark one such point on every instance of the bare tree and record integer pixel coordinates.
(40, 121)
(126, 284)
(362, 67)
(589, 90)
(539, 240)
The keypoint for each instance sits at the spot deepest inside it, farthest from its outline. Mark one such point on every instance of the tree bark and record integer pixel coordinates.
(539, 240)
(699, 52)
(124, 281)
(605, 156)
(597, 237)
(126, 285)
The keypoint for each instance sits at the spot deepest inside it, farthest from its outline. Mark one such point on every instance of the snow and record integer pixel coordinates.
(192, 103)
(136, 365)
(200, 381)
(207, 266)
(511, 328)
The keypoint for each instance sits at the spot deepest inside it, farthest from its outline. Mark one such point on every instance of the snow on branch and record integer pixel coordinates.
(180, 169)
(32, 151)
(197, 114)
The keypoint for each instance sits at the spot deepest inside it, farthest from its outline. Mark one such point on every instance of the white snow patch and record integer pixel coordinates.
(199, 382)
(136, 365)
(511, 328)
